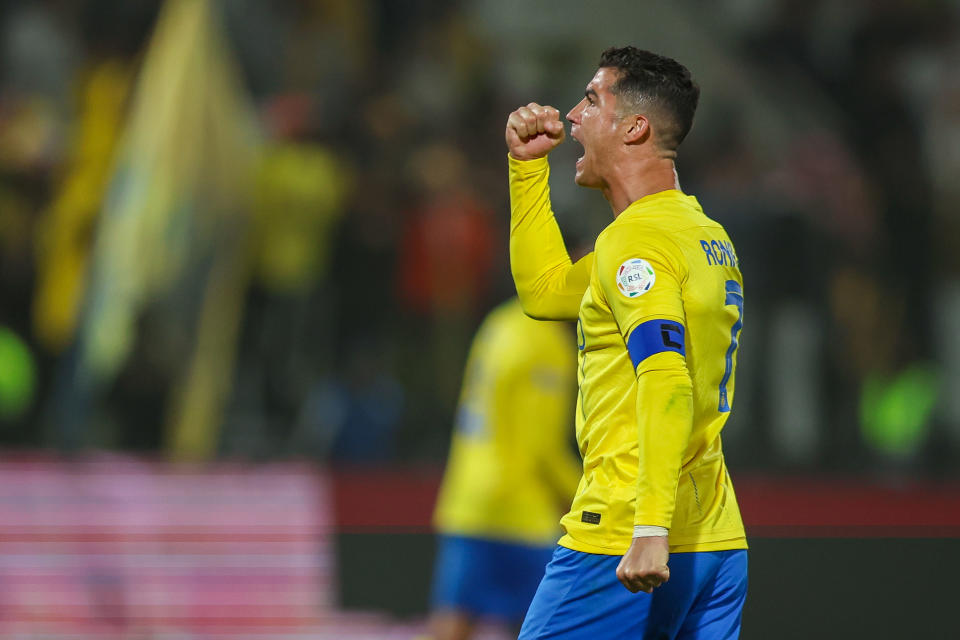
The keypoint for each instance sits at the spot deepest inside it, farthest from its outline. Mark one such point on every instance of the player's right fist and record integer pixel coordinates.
(533, 131)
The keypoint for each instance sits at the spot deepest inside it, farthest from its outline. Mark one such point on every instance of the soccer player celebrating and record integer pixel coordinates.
(510, 473)
(659, 308)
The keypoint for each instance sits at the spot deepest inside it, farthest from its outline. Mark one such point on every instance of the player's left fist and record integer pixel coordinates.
(644, 566)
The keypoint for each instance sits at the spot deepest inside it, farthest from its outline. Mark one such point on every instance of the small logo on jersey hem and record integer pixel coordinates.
(590, 517)
(635, 277)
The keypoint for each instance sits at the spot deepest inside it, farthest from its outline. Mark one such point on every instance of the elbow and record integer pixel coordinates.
(668, 371)
(679, 380)
(544, 294)
(539, 307)
(532, 306)
(533, 301)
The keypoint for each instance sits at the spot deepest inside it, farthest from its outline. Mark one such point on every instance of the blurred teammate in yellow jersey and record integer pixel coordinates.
(510, 473)
(658, 306)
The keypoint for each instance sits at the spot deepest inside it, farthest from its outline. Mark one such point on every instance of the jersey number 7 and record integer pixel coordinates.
(734, 297)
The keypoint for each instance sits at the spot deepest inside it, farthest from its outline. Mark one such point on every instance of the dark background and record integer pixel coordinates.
(265, 232)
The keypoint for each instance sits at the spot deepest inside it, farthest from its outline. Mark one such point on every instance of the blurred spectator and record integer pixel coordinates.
(301, 191)
(378, 215)
(446, 265)
(358, 415)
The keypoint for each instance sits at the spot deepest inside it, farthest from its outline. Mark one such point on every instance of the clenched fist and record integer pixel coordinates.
(644, 567)
(533, 131)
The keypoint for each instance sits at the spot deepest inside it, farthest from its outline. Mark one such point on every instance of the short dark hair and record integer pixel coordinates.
(648, 79)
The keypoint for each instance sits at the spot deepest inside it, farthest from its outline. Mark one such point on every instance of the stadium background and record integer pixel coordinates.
(244, 246)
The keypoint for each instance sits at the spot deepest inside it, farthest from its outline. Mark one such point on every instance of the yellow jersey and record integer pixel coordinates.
(511, 472)
(659, 308)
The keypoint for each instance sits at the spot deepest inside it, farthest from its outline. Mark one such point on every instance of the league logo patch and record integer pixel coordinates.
(635, 277)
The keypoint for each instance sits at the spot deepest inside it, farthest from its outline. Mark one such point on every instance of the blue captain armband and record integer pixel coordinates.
(655, 336)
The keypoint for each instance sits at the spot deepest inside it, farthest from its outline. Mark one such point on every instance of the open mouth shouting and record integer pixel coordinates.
(574, 132)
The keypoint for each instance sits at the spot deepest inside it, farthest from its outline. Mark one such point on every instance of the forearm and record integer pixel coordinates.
(665, 417)
(549, 285)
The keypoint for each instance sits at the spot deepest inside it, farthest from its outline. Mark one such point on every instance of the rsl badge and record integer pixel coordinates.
(635, 277)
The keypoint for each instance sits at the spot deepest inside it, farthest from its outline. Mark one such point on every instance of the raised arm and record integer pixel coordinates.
(548, 283)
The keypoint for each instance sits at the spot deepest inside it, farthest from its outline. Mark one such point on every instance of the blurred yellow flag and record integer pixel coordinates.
(177, 201)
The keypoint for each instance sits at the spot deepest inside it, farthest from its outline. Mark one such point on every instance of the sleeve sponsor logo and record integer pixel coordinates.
(635, 277)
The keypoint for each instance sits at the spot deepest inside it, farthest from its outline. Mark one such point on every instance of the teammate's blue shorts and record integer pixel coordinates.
(580, 597)
(487, 578)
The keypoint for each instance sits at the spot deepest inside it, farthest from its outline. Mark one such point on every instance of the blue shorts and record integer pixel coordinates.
(580, 597)
(486, 578)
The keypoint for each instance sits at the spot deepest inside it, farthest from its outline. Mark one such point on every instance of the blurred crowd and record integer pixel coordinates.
(269, 229)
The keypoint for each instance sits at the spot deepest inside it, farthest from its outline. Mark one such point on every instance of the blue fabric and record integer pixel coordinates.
(734, 297)
(487, 578)
(581, 598)
(655, 336)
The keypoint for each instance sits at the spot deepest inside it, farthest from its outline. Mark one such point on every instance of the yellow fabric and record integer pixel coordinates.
(299, 195)
(549, 285)
(668, 407)
(64, 230)
(510, 472)
(180, 182)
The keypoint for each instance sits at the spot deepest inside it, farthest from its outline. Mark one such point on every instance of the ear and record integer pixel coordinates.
(638, 129)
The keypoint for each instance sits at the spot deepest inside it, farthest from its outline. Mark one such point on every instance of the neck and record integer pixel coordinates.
(638, 178)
